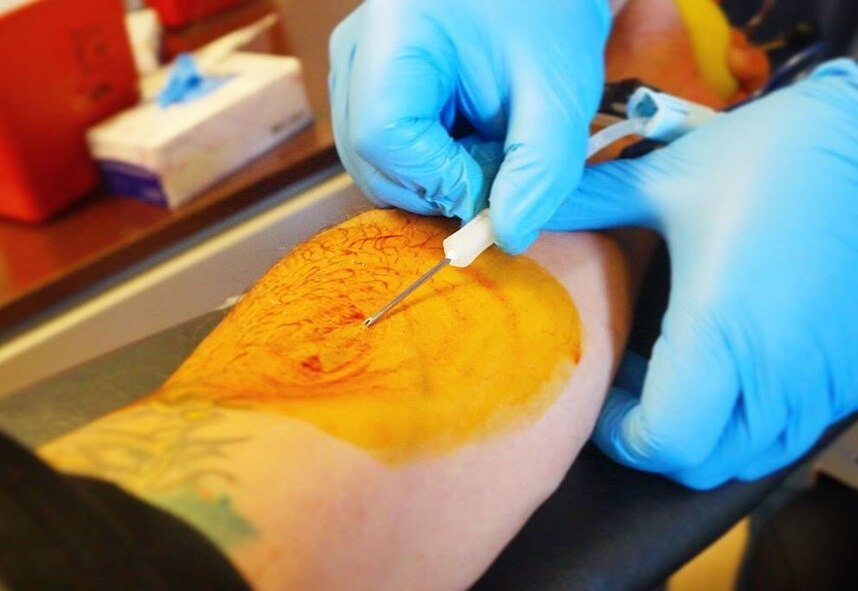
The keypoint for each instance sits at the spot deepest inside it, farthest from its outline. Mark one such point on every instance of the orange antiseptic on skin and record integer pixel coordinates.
(473, 352)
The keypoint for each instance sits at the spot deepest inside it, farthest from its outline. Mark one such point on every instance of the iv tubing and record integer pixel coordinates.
(609, 135)
(466, 244)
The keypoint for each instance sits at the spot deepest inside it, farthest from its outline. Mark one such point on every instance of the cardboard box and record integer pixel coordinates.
(169, 155)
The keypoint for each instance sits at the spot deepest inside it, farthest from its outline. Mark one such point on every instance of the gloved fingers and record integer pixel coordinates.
(384, 193)
(378, 189)
(545, 150)
(341, 50)
(758, 419)
(609, 195)
(489, 156)
(787, 389)
(805, 423)
(776, 456)
(686, 403)
(782, 452)
(736, 447)
(401, 93)
(784, 405)
(341, 46)
(626, 389)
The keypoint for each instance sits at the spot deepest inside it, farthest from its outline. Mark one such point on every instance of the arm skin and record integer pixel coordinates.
(298, 508)
(295, 505)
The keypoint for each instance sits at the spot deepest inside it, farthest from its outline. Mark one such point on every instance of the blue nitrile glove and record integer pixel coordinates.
(759, 347)
(528, 74)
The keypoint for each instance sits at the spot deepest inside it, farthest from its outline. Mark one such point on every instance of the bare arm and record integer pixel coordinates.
(366, 482)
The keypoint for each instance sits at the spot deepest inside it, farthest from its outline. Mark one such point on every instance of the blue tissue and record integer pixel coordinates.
(185, 82)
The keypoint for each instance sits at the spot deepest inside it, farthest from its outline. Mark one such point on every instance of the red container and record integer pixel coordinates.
(65, 66)
(178, 13)
(204, 31)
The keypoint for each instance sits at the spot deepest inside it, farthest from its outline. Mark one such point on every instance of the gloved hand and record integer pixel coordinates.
(759, 346)
(528, 74)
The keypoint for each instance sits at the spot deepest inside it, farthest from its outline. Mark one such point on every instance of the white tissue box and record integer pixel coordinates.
(168, 155)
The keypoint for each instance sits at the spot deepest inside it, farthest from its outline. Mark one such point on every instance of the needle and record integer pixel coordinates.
(406, 292)
(468, 242)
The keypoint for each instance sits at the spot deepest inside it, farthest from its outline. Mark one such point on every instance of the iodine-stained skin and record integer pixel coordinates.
(475, 351)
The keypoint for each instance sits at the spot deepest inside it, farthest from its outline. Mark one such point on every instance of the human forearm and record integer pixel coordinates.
(299, 501)
(295, 509)
(182, 457)
(291, 508)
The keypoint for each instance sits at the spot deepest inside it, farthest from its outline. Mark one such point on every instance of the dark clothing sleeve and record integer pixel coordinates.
(75, 533)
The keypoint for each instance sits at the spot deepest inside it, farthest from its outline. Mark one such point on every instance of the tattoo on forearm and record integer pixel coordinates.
(167, 452)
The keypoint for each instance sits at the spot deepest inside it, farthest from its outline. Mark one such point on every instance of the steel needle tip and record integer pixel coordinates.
(420, 281)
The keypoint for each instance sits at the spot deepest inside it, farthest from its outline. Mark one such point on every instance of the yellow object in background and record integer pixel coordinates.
(709, 30)
(717, 567)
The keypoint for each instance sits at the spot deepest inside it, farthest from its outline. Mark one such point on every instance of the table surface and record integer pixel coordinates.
(102, 234)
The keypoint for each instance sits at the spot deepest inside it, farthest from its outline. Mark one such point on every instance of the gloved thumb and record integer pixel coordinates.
(612, 194)
(544, 156)
(675, 418)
